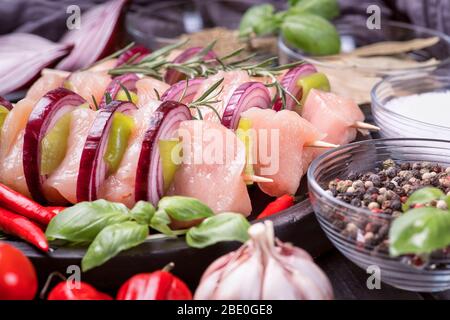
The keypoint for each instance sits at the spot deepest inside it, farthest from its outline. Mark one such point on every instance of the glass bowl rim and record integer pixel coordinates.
(397, 24)
(398, 78)
(314, 185)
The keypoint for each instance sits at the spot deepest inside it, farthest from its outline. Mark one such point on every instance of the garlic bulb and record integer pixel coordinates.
(264, 268)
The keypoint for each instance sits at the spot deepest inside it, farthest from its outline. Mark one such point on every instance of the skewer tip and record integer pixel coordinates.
(253, 178)
(366, 126)
(321, 144)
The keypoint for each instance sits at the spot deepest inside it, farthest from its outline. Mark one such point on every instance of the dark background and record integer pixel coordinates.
(47, 17)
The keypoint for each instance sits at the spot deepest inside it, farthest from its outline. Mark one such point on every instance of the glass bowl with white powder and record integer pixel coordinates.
(415, 105)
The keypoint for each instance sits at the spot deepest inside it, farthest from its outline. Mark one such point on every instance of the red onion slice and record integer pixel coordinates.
(149, 184)
(247, 95)
(3, 102)
(48, 110)
(127, 80)
(289, 82)
(93, 169)
(180, 92)
(139, 51)
(172, 76)
(96, 37)
(23, 56)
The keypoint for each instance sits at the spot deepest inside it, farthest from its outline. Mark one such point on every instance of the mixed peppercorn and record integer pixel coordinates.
(383, 191)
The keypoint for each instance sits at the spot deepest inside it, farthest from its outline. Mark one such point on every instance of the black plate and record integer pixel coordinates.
(296, 225)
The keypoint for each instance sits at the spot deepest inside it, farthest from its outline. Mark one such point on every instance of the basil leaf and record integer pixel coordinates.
(160, 222)
(143, 212)
(112, 240)
(225, 226)
(259, 19)
(423, 196)
(447, 201)
(327, 9)
(420, 230)
(85, 220)
(184, 208)
(311, 33)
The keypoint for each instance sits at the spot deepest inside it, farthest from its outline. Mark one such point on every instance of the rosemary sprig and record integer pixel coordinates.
(108, 98)
(151, 65)
(155, 64)
(183, 94)
(127, 93)
(113, 55)
(208, 99)
(158, 96)
(95, 102)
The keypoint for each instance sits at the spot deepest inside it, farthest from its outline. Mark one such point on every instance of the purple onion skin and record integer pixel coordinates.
(289, 82)
(128, 80)
(127, 55)
(91, 157)
(159, 117)
(235, 107)
(37, 126)
(172, 76)
(8, 105)
(73, 63)
(175, 92)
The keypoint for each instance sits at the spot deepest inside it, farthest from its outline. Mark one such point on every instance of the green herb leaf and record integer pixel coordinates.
(85, 220)
(112, 240)
(327, 9)
(420, 230)
(108, 98)
(143, 212)
(225, 226)
(423, 196)
(311, 33)
(184, 208)
(160, 222)
(259, 19)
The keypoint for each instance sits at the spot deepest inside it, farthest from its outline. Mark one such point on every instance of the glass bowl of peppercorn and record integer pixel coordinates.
(358, 190)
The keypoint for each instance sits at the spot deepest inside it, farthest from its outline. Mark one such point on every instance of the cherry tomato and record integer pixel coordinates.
(18, 279)
(67, 290)
(158, 285)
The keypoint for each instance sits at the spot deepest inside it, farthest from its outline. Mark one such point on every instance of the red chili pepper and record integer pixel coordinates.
(23, 228)
(17, 202)
(67, 290)
(158, 285)
(278, 205)
(56, 210)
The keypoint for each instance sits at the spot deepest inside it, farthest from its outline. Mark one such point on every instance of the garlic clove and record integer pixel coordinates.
(264, 268)
(244, 282)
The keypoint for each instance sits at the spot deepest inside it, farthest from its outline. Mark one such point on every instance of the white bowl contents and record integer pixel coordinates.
(413, 105)
(430, 107)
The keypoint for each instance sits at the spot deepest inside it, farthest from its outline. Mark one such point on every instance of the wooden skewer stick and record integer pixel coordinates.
(321, 144)
(253, 178)
(366, 126)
